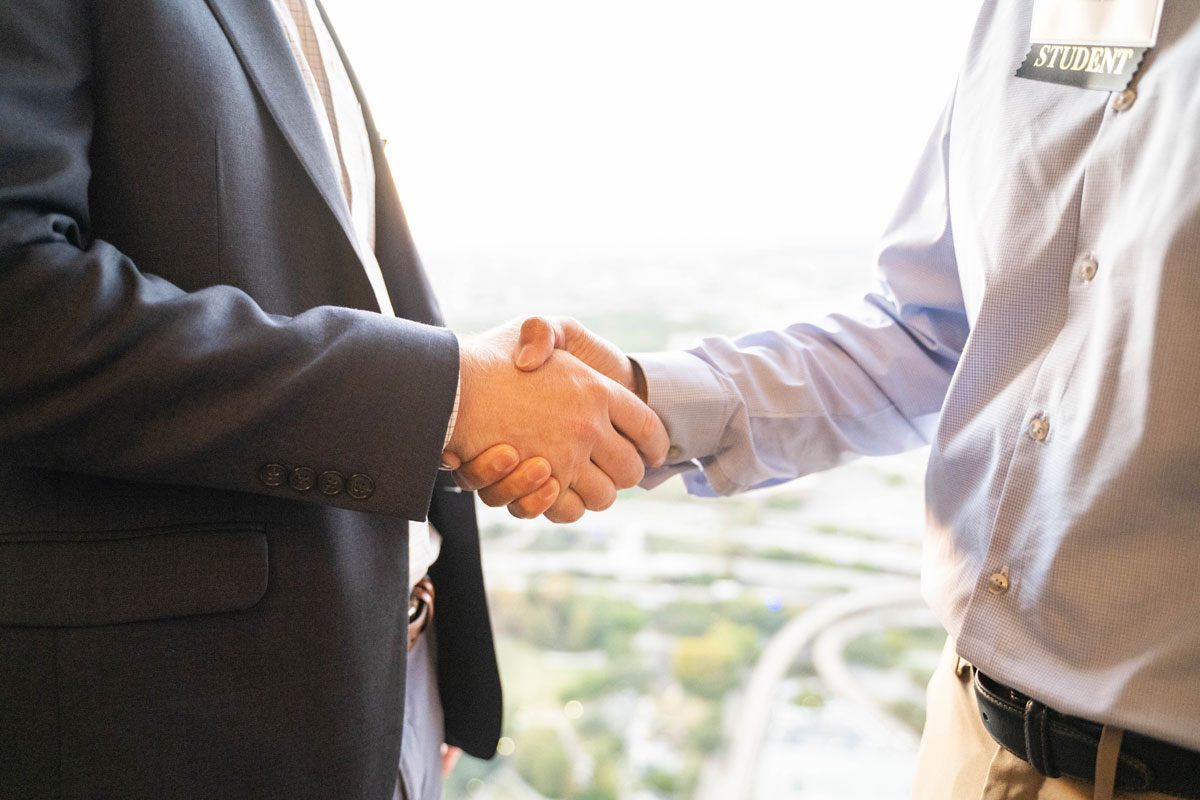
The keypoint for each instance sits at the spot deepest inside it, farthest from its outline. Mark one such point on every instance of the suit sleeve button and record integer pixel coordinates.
(302, 479)
(361, 486)
(273, 474)
(332, 483)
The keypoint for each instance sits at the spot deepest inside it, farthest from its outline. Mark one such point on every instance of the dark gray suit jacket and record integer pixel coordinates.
(209, 443)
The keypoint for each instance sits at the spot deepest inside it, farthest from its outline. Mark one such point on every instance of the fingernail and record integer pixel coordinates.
(506, 461)
(541, 472)
(525, 357)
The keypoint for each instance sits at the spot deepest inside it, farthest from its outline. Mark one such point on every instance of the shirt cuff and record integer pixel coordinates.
(693, 400)
(453, 416)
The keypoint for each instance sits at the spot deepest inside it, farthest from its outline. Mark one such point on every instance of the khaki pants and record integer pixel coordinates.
(958, 760)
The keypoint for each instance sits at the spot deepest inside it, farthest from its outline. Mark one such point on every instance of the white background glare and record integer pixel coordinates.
(652, 122)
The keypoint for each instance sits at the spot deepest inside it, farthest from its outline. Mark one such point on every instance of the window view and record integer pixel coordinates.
(762, 645)
(663, 171)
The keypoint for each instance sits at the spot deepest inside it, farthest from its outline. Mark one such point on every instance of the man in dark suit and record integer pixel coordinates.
(211, 440)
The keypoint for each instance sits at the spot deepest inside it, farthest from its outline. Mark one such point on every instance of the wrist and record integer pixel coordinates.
(452, 463)
(478, 365)
(638, 382)
(467, 368)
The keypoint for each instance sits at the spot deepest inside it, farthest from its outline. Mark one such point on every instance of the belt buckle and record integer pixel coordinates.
(420, 610)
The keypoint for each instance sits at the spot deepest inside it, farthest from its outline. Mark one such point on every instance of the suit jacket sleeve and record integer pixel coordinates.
(108, 369)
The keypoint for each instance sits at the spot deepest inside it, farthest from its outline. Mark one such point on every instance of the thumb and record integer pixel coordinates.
(536, 343)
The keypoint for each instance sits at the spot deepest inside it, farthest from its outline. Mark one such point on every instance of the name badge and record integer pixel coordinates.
(1092, 44)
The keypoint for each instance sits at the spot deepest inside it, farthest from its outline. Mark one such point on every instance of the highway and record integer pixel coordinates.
(828, 626)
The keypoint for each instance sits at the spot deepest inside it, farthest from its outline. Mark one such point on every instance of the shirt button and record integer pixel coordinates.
(1124, 100)
(1039, 429)
(998, 582)
(302, 479)
(1087, 268)
(273, 474)
(360, 486)
(332, 483)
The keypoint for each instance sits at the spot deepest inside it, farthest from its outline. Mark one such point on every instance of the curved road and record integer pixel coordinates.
(734, 777)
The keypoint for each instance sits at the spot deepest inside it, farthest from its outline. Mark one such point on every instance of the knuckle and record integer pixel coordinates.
(490, 498)
(647, 428)
(605, 501)
(585, 428)
(531, 508)
(565, 512)
(637, 471)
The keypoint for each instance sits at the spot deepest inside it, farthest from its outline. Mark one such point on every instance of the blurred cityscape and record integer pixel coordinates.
(770, 645)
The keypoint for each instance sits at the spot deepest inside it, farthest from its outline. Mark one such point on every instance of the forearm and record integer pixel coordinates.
(113, 369)
(122, 374)
(774, 405)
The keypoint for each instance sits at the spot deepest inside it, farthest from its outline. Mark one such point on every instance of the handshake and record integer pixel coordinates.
(552, 419)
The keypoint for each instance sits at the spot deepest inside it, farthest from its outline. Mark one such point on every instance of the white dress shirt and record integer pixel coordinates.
(341, 120)
(1037, 323)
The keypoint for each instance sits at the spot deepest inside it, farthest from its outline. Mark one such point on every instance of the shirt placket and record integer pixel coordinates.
(1024, 506)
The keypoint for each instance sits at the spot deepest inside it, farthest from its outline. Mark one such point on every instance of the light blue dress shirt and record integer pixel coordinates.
(1038, 323)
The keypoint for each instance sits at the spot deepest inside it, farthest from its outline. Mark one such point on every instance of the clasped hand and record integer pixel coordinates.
(548, 420)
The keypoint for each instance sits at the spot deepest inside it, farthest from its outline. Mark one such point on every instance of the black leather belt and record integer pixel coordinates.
(1057, 744)
(420, 610)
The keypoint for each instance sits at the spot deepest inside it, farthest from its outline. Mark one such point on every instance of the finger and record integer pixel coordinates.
(541, 336)
(594, 488)
(487, 468)
(639, 424)
(536, 343)
(595, 351)
(537, 503)
(617, 458)
(527, 478)
(450, 756)
(450, 461)
(574, 337)
(567, 508)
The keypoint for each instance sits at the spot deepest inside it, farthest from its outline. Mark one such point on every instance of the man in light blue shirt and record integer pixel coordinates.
(1036, 323)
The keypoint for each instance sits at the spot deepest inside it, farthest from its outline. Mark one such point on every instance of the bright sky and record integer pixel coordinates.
(652, 122)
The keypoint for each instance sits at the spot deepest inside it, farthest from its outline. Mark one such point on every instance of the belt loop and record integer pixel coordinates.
(1108, 753)
(1037, 738)
(962, 666)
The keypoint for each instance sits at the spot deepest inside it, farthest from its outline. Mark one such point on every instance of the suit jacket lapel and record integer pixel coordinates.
(407, 284)
(266, 55)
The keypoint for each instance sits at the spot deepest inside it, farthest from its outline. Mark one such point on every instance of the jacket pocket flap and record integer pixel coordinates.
(131, 577)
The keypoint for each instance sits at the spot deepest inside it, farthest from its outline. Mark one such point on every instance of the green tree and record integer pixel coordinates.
(604, 780)
(542, 762)
(597, 683)
(601, 623)
(708, 665)
(705, 737)
(685, 618)
(745, 611)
